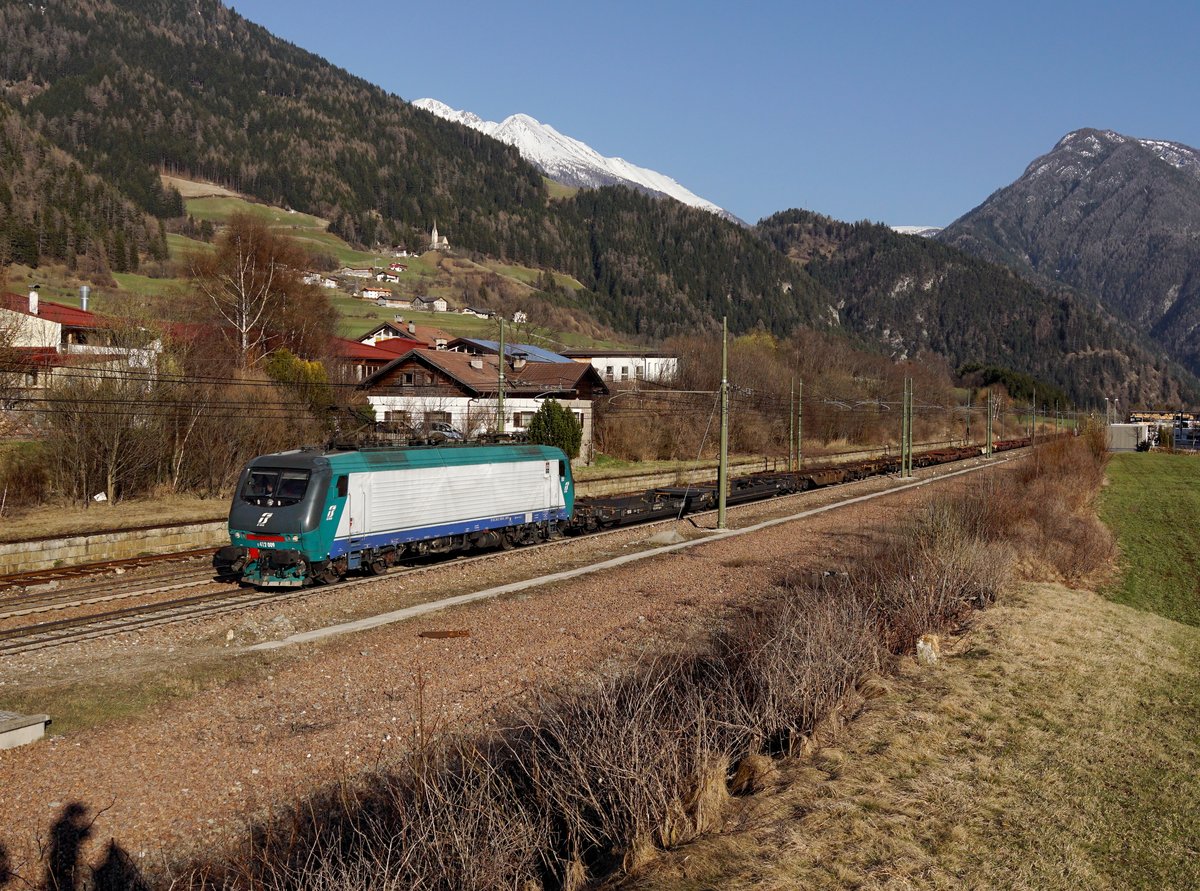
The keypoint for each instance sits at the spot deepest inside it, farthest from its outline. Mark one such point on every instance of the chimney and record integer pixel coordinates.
(476, 362)
(412, 328)
(33, 300)
(518, 361)
(84, 291)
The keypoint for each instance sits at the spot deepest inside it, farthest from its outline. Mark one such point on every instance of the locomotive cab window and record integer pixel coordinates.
(270, 487)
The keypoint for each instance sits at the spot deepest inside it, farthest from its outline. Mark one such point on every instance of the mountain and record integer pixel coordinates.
(926, 231)
(920, 297)
(569, 161)
(1112, 215)
(133, 88)
(142, 86)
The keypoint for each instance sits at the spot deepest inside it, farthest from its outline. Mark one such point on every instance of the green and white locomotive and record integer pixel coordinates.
(314, 515)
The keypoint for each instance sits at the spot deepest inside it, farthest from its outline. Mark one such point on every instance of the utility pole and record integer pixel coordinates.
(906, 429)
(988, 451)
(723, 466)
(800, 428)
(968, 442)
(909, 452)
(792, 426)
(500, 386)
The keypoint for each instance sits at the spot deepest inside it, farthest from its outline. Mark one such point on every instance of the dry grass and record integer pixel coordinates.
(1054, 748)
(64, 520)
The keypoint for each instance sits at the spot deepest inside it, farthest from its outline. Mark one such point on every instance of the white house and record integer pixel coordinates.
(49, 338)
(617, 366)
(430, 304)
(321, 281)
(374, 292)
(386, 277)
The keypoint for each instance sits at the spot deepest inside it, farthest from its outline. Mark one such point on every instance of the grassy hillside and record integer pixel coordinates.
(1152, 502)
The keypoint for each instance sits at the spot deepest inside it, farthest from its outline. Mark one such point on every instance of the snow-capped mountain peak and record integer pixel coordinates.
(567, 160)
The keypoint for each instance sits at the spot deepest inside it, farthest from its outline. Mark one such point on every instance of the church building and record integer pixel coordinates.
(438, 242)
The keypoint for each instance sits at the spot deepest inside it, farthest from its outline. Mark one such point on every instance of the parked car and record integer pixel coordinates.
(442, 430)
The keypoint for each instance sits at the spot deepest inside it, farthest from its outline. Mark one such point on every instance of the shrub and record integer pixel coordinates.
(555, 425)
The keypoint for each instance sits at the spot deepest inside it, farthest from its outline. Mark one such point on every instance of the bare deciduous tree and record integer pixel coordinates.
(252, 284)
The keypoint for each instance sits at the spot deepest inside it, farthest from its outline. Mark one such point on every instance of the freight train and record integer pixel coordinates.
(312, 516)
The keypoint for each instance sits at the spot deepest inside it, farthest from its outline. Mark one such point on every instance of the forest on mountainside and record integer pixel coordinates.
(51, 209)
(919, 295)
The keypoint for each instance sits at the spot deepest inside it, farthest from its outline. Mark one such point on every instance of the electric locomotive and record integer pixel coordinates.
(314, 515)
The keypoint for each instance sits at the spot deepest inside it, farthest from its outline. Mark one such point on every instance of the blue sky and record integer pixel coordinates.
(898, 112)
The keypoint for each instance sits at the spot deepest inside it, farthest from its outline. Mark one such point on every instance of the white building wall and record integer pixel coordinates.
(615, 369)
(474, 416)
(30, 331)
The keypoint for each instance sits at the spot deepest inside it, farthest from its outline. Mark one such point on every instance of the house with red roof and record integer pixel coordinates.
(48, 337)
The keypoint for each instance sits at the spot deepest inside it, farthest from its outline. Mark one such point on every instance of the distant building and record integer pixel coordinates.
(617, 366)
(421, 387)
(50, 339)
(356, 271)
(321, 281)
(430, 304)
(438, 242)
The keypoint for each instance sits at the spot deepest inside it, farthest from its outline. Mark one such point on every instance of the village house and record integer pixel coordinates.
(624, 366)
(356, 271)
(319, 279)
(422, 387)
(361, 360)
(48, 339)
(478, 313)
(430, 304)
(478, 347)
(398, 267)
(387, 276)
(423, 335)
(374, 292)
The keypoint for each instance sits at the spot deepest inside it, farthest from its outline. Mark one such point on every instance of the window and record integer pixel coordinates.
(608, 372)
(578, 417)
(436, 417)
(407, 378)
(396, 419)
(522, 418)
(624, 372)
(271, 487)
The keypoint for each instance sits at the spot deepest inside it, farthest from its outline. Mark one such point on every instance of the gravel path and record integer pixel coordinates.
(190, 771)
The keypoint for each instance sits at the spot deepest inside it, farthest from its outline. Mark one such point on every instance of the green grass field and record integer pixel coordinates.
(1152, 504)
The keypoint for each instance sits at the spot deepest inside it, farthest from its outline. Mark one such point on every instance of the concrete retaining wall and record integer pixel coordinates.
(51, 553)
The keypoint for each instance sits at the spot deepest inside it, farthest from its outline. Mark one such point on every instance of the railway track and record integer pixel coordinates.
(17, 601)
(22, 582)
(222, 599)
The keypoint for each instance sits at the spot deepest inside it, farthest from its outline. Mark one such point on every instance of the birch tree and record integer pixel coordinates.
(251, 282)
